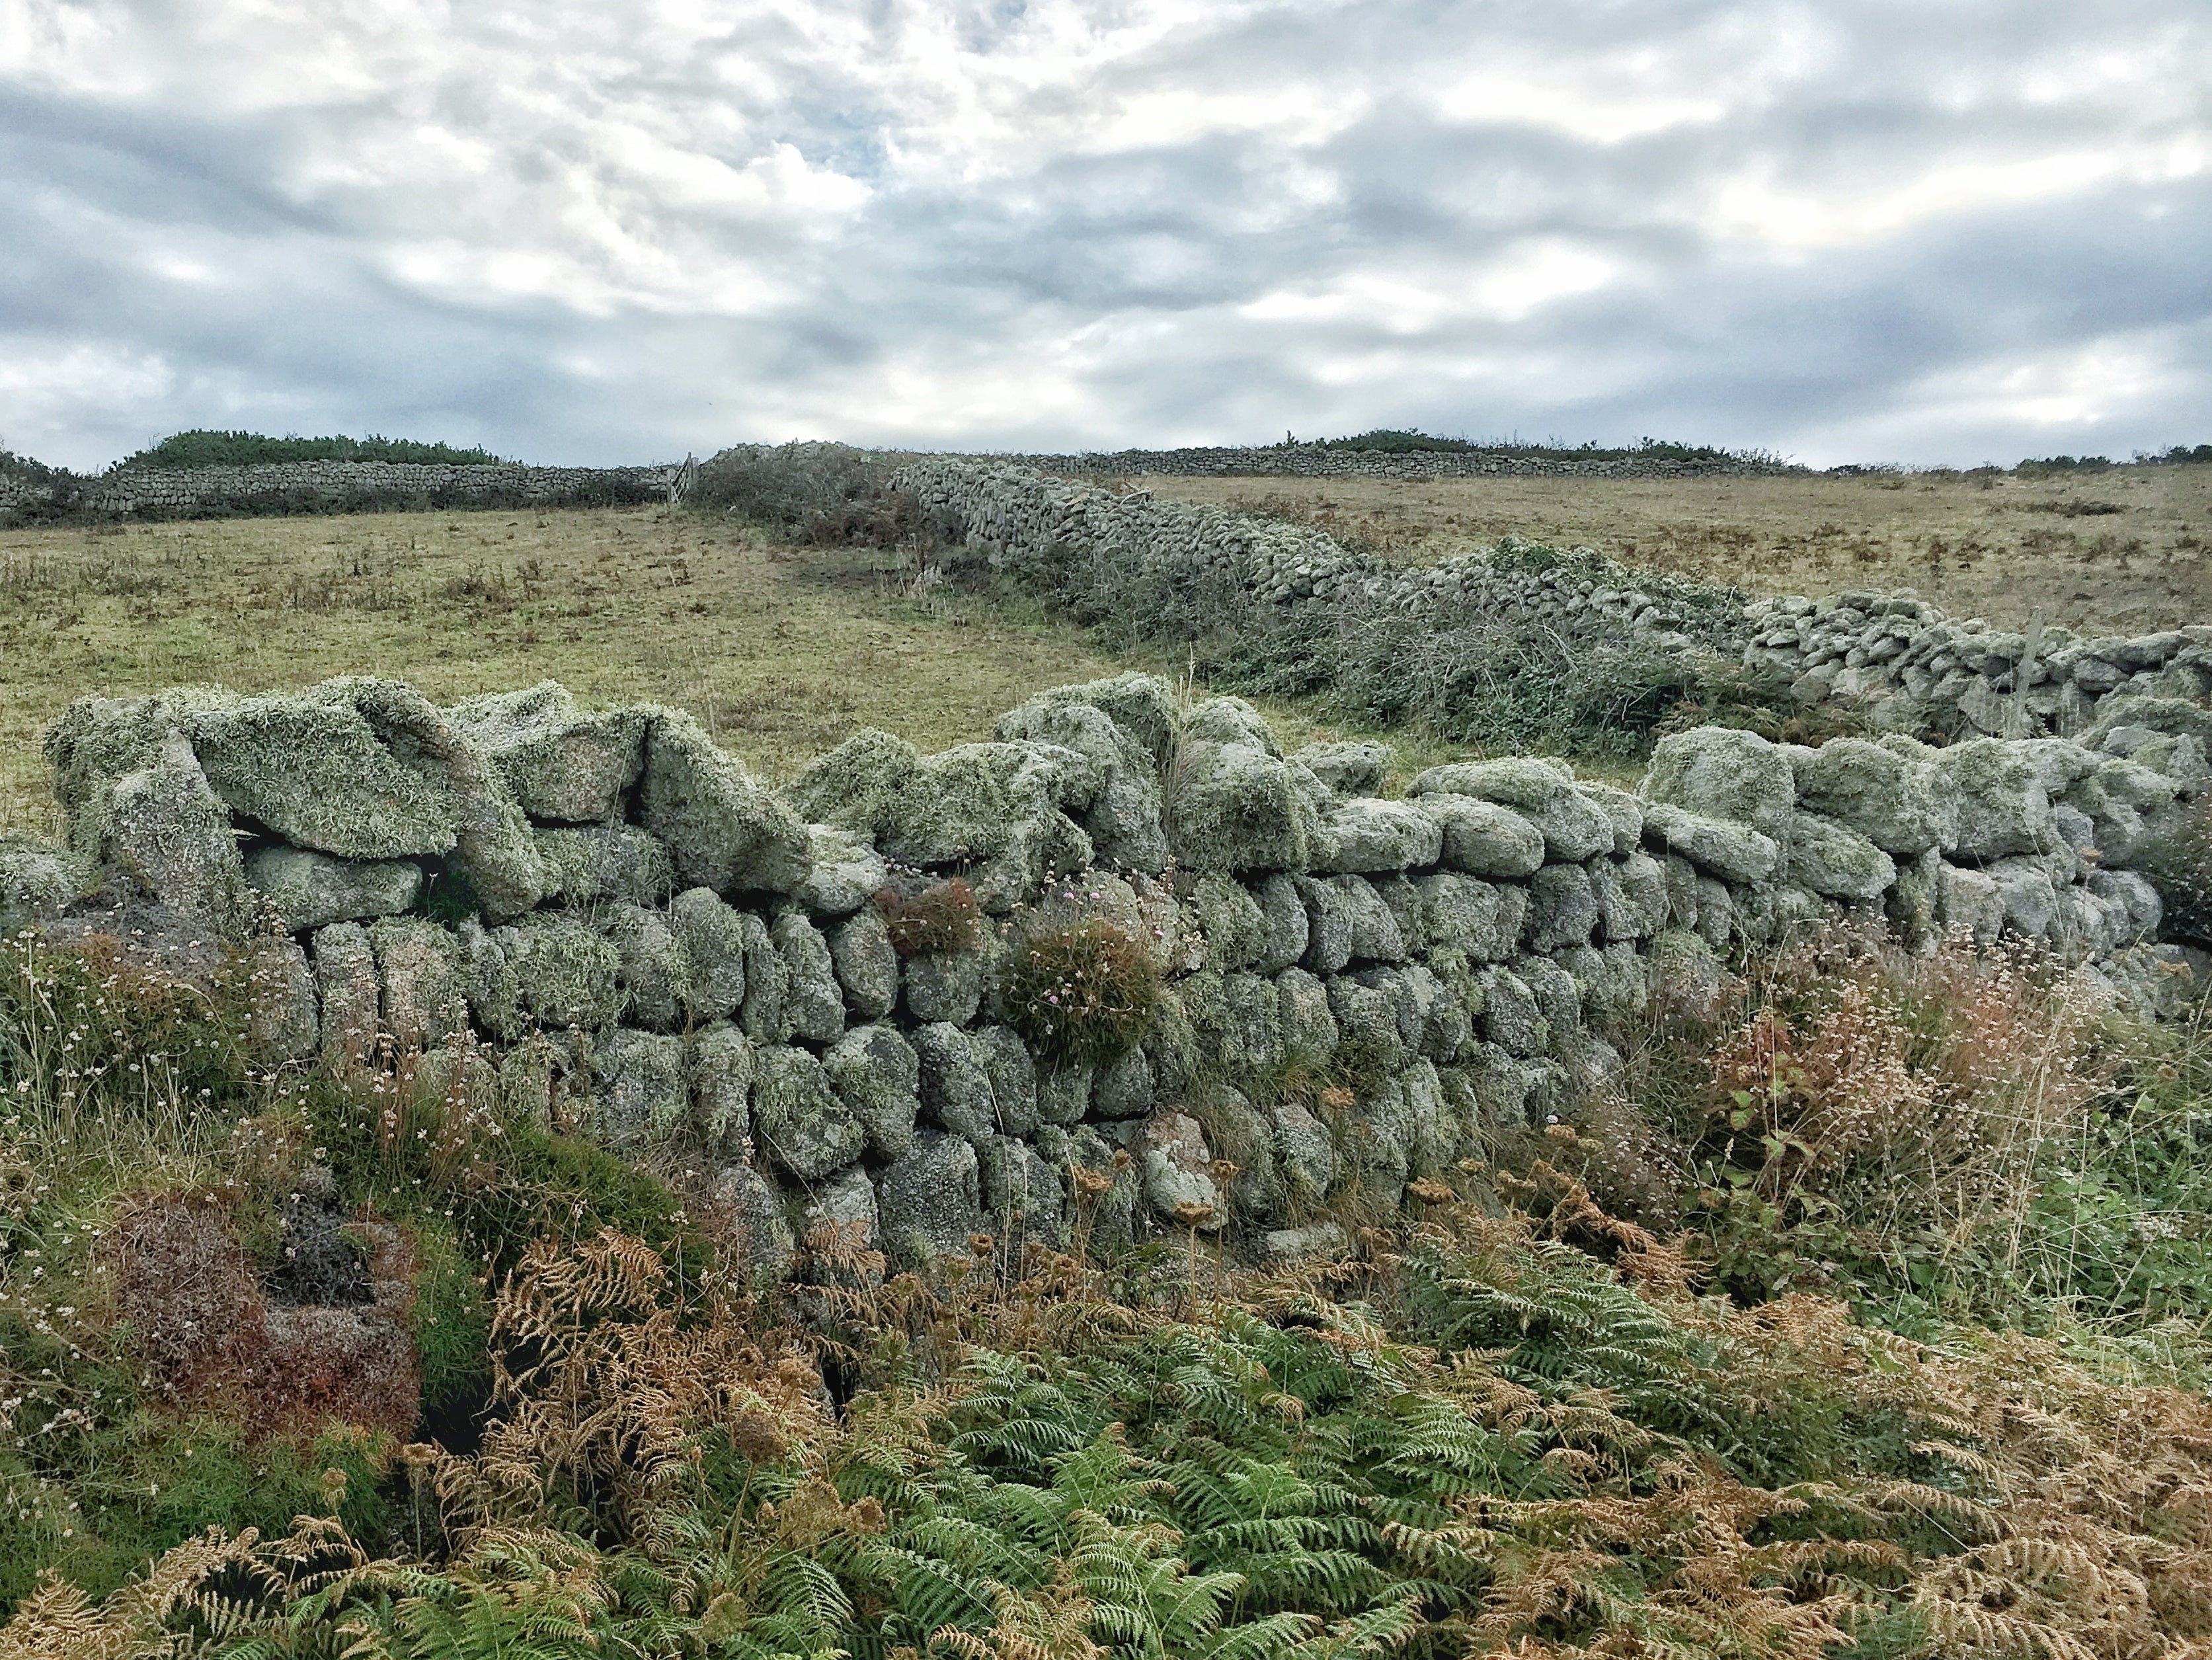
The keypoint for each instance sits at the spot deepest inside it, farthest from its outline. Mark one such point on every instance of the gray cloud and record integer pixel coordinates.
(1853, 231)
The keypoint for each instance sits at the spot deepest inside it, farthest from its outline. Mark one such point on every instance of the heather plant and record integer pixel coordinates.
(1079, 986)
(942, 918)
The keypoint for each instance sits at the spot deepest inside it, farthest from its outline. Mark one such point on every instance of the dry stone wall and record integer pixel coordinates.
(1315, 462)
(1891, 658)
(603, 921)
(284, 487)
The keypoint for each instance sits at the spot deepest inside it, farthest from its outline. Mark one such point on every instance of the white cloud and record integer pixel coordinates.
(634, 227)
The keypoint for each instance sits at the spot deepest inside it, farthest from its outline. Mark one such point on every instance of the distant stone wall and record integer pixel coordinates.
(653, 947)
(288, 487)
(1894, 659)
(1313, 461)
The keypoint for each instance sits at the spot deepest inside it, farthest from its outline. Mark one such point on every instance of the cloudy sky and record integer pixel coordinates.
(607, 230)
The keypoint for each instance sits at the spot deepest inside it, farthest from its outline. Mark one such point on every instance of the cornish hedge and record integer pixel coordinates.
(1182, 941)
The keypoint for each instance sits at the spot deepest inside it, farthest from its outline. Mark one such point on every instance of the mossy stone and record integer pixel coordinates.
(722, 1064)
(606, 861)
(867, 964)
(565, 974)
(656, 968)
(309, 889)
(713, 936)
(560, 763)
(38, 882)
(813, 1007)
(854, 785)
(424, 977)
(798, 1119)
(643, 1093)
(724, 829)
(167, 832)
(875, 1072)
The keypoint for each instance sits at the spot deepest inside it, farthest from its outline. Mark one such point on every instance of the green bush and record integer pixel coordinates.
(202, 447)
(1086, 991)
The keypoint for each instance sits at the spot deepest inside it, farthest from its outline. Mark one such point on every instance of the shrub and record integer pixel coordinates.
(1084, 991)
(828, 495)
(2176, 861)
(940, 918)
(206, 448)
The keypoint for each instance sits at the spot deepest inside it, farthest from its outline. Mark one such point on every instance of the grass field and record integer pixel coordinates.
(2116, 551)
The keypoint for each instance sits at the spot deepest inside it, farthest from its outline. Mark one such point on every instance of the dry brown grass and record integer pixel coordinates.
(1979, 545)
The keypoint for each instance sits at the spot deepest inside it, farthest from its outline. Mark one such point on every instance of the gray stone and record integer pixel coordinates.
(561, 764)
(1306, 1022)
(721, 1068)
(2031, 903)
(1370, 835)
(813, 1006)
(1063, 1092)
(1176, 1163)
(841, 1216)
(854, 785)
(867, 963)
(425, 990)
(167, 832)
(723, 830)
(1509, 1017)
(1123, 1088)
(947, 986)
(642, 1091)
(1484, 838)
(1633, 901)
(607, 862)
(1375, 1017)
(1480, 921)
(1903, 806)
(1562, 907)
(712, 938)
(998, 804)
(1012, 1075)
(1347, 921)
(1623, 809)
(1230, 924)
(1718, 772)
(1237, 805)
(845, 873)
(768, 983)
(1716, 912)
(1305, 1154)
(955, 1090)
(1356, 768)
(1445, 1028)
(930, 1201)
(1970, 899)
(1313, 1241)
(310, 889)
(656, 970)
(1124, 818)
(1401, 897)
(36, 882)
(348, 989)
(764, 1245)
(1730, 852)
(798, 1118)
(2139, 902)
(1025, 1197)
(564, 974)
(876, 1073)
(1518, 781)
(1287, 927)
(1826, 859)
(282, 1013)
(2004, 808)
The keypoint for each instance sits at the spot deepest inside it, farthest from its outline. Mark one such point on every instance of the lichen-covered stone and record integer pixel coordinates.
(2024, 888)
(1231, 923)
(1718, 772)
(1287, 927)
(310, 889)
(712, 939)
(1826, 859)
(38, 882)
(425, 990)
(606, 861)
(724, 829)
(813, 1006)
(1478, 920)
(1347, 920)
(1024, 1197)
(1625, 810)
(947, 986)
(768, 982)
(347, 987)
(1237, 805)
(854, 785)
(956, 1090)
(930, 1201)
(1375, 1018)
(643, 1093)
(656, 970)
(1175, 1162)
(1562, 907)
(1350, 769)
(1124, 1087)
(764, 1245)
(2139, 902)
(1012, 1074)
(867, 964)
(798, 1118)
(975, 800)
(1307, 1023)
(1633, 899)
(1484, 838)
(1305, 1154)
(1063, 1092)
(1509, 1017)
(564, 974)
(282, 1015)
(1730, 851)
(875, 1072)
(2004, 807)
(1903, 805)
(841, 1216)
(1122, 819)
(721, 1066)
(560, 763)
(166, 830)
(845, 872)
(1370, 835)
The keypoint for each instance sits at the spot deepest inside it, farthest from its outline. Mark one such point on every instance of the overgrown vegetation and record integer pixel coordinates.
(205, 447)
(1084, 990)
(1389, 440)
(1865, 1319)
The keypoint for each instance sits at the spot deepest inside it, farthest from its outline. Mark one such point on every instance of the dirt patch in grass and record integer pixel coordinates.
(2123, 550)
